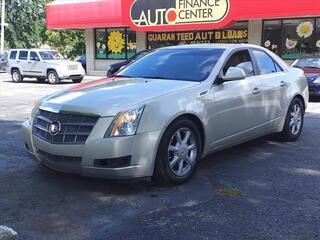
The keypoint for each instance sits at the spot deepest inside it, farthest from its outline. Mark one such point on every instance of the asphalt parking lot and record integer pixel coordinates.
(263, 189)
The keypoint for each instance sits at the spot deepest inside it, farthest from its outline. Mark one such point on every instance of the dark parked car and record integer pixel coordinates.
(311, 67)
(113, 68)
(82, 59)
(3, 62)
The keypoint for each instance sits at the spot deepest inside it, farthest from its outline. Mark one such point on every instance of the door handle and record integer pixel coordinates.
(256, 91)
(18, 61)
(283, 84)
(29, 62)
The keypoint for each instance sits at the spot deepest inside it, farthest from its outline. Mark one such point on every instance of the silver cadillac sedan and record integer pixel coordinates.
(163, 113)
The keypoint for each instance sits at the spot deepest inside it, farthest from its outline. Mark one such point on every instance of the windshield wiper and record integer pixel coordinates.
(121, 76)
(154, 77)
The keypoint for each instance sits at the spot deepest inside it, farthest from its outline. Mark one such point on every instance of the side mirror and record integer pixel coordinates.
(234, 74)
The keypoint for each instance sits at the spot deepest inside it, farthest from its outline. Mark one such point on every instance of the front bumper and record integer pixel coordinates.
(139, 151)
(76, 74)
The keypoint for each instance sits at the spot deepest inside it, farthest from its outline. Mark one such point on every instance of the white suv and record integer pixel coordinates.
(43, 64)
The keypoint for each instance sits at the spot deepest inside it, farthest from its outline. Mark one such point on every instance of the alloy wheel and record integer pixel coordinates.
(296, 119)
(15, 76)
(182, 152)
(52, 77)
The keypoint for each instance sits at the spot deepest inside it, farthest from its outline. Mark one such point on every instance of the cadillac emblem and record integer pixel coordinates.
(55, 128)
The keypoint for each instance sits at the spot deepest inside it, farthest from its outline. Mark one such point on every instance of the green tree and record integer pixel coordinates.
(27, 29)
(71, 43)
(26, 19)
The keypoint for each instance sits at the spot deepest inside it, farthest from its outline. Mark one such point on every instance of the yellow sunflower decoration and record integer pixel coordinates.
(116, 42)
(305, 29)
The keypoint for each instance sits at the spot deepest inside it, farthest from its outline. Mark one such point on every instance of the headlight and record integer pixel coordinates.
(126, 123)
(317, 80)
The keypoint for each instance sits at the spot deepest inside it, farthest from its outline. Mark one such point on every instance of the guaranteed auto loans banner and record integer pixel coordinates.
(173, 15)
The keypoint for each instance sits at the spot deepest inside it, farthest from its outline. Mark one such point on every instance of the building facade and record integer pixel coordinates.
(114, 32)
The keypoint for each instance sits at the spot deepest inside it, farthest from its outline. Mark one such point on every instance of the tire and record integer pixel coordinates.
(172, 166)
(40, 79)
(53, 77)
(294, 121)
(79, 80)
(16, 76)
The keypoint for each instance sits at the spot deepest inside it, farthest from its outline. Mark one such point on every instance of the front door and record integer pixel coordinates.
(238, 105)
(35, 65)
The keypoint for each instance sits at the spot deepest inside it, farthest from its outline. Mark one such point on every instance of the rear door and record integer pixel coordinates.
(22, 61)
(273, 85)
(12, 58)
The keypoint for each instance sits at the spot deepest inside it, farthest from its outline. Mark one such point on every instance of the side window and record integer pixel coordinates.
(265, 62)
(34, 56)
(278, 68)
(241, 60)
(23, 55)
(13, 55)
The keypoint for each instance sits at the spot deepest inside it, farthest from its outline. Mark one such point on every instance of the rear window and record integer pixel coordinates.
(265, 63)
(13, 55)
(23, 55)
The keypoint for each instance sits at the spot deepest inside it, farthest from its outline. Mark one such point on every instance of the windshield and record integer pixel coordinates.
(307, 63)
(51, 55)
(176, 64)
(138, 56)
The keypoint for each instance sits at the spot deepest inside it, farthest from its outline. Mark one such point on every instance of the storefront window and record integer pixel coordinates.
(317, 36)
(101, 52)
(132, 43)
(115, 43)
(236, 34)
(297, 36)
(292, 38)
(272, 31)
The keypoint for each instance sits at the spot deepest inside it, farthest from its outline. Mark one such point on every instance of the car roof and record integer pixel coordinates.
(31, 49)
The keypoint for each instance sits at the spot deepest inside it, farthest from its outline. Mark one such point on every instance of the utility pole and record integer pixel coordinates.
(2, 26)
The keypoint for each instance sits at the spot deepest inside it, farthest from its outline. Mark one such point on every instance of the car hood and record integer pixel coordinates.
(108, 97)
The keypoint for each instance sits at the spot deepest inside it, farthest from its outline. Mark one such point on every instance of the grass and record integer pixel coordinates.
(232, 192)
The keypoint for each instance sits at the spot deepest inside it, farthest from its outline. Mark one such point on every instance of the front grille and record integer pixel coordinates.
(75, 129)
(72, 67)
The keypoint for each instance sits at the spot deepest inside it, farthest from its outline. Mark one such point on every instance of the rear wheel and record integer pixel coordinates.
(16, 76)
(53, 77)
(294, 121)
(178, 154)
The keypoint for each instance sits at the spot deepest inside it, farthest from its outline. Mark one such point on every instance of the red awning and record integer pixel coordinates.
(81, 14)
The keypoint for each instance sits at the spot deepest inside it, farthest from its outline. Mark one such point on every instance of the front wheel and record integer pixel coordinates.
(294, 121)
(178, 154)
(53, 77)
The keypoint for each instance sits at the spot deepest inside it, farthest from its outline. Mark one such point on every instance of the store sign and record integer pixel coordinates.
(155, 14)
(160, 39)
